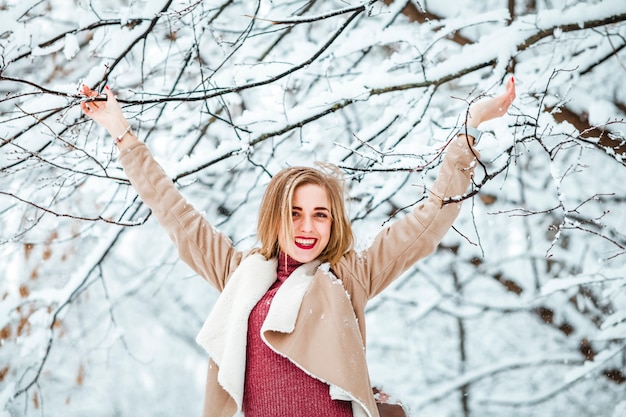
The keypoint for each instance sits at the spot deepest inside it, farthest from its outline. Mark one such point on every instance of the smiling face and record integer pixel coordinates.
(303, 214)
(311, 224)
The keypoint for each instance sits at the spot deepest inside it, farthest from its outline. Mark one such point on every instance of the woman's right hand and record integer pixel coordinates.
(107, 114)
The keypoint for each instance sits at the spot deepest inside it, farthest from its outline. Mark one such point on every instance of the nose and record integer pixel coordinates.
(306, 224)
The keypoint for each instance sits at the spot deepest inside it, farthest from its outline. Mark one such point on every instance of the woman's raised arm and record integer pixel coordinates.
(206, 250)
(417, 235)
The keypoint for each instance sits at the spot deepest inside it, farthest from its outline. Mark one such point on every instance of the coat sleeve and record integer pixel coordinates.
(415, 236)
(206, 250)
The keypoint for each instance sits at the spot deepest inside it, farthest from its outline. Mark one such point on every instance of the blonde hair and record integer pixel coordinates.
(276, 207)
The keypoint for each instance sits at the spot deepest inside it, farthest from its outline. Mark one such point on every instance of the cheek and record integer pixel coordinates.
(327, 230)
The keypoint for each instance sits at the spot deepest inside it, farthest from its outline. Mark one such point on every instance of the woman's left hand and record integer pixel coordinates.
(492, 107)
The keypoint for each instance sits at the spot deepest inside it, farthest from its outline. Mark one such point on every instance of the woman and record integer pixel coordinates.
(287, 335)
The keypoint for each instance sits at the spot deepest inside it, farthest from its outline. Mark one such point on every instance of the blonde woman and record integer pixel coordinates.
(287, 334)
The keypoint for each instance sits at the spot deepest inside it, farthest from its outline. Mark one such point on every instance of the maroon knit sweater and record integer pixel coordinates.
(274, 386)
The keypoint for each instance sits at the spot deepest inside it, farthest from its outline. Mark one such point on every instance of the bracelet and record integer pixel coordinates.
(471, 131)
(119, 138)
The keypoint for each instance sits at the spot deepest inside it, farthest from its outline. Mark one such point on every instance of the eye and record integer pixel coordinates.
(321, 214)
(295, 214)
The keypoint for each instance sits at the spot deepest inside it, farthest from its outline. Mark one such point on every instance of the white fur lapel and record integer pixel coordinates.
(224, 333)
(286, 304)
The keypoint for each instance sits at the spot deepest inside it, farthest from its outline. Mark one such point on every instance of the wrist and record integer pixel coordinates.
(117, 139)
(473, 121)
(116, 130)
(470, 132)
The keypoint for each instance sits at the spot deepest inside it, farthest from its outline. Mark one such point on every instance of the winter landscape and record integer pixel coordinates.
(520, 312)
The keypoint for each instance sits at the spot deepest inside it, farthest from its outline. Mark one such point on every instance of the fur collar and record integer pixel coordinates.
(224, 332)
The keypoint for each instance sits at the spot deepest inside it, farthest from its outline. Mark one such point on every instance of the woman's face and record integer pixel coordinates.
(310, 215)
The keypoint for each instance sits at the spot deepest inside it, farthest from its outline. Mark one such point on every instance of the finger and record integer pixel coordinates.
(510, 87)
(88, 91)
(109, 94)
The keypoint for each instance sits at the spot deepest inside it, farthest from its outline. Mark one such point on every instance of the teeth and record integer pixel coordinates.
(305, 242)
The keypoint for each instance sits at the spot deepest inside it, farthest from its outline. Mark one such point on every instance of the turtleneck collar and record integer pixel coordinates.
(286, 265)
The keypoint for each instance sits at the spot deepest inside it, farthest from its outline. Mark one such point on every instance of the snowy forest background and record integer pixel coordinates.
(520, 312)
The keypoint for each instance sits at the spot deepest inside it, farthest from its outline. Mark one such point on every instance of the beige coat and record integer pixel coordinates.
(317, 318)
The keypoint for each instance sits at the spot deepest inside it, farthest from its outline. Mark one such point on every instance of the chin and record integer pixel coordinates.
(305, 257)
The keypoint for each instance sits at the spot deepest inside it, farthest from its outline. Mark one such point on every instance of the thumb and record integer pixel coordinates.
(109, 94)
(112, 104)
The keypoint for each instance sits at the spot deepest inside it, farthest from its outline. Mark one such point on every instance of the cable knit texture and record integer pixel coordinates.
(274, 386)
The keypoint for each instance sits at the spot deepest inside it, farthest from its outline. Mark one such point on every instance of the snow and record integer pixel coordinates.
(544, 234)
(71, 47)
(590, 367)
(564, 283)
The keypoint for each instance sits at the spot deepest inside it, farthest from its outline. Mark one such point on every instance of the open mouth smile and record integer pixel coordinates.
(305, 243)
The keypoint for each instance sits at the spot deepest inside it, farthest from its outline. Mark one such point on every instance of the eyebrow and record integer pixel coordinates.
(316, 208)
